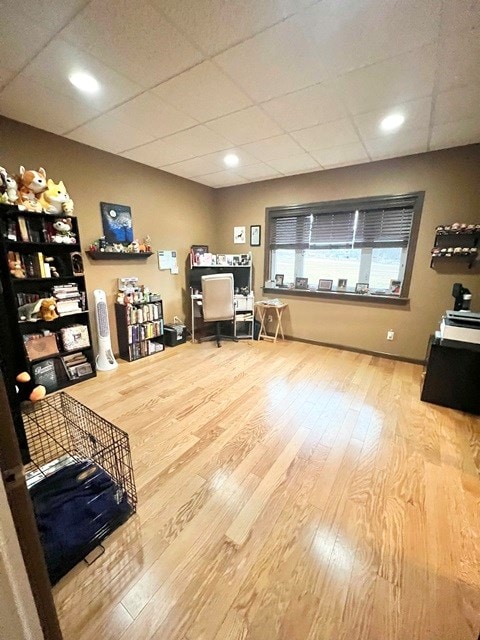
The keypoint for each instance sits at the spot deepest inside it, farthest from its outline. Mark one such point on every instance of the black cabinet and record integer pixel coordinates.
(452, 374)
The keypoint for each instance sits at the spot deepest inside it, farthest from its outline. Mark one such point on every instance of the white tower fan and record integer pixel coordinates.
(105, 359)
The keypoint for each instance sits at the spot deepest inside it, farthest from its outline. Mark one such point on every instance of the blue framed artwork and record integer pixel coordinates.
(116, 222)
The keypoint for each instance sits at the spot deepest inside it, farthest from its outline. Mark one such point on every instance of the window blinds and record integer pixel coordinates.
(374, 226)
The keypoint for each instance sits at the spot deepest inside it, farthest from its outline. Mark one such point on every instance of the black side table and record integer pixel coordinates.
(452, 375)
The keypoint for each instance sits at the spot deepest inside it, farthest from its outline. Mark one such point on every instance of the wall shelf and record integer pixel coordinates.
(110, 255)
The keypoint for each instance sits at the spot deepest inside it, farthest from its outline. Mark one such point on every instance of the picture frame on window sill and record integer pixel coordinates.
(255, 235)
(279, 277)
(301, 283)
(342, 284)
(362, 287)
(324, 285)
(395, 287)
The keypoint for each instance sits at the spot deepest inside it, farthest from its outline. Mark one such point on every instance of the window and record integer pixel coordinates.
(358, 241)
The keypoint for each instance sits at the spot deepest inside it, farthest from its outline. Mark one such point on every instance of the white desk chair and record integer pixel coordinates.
(218, 302)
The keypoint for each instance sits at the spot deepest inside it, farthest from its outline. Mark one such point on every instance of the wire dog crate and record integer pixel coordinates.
(71, 442)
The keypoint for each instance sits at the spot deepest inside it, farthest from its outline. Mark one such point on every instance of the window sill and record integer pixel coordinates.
(337, 295)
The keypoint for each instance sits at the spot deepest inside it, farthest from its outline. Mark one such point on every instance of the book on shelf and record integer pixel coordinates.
(44, 373)
(23, 229)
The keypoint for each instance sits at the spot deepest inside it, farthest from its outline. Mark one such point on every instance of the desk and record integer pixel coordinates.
(263, 309)
(243, 313)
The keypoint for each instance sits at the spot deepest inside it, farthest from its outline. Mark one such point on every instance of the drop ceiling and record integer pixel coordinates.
(290, 86)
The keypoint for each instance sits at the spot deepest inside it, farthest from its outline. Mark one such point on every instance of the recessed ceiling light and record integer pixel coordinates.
(392, 122)
(231, 160)
(84, 82)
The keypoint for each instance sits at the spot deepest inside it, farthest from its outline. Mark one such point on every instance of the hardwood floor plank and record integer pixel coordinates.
(286, 492)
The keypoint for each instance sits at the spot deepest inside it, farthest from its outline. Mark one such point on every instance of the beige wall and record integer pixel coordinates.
(175, 212)
(451, 181)
(18, 614)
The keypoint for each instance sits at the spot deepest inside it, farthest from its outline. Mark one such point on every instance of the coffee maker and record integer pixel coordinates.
(462, 296)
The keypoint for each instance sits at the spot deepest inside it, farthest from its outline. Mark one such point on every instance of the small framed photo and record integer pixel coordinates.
(236, 261)
(239, 235)
(362, 287)
(221, 260)
(325, 285)
(301, 283)
(198, 251)
(279, 277)
(255, 235)
(77, 263)
(341, 284)
(395, 287)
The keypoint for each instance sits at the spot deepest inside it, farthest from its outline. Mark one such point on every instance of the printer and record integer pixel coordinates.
(461, 326)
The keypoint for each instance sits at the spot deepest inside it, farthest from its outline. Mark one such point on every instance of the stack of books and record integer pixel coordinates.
(69, 298)
(145, 313)
(76, 366)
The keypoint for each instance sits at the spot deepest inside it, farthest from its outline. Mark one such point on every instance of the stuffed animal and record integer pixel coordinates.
(148, 243)
(29, 311)
(8, 189)
(134, 247)
(31, 184)
(63, 227)
(47, 309)
(28, 390)
(15, 265)
(118, 247)
(56, 199)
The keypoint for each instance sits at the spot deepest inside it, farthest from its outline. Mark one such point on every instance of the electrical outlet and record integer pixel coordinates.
(390, 334)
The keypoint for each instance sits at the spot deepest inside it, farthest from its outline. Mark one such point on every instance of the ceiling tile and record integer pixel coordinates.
(216, 25)
(59, 60)
(340, 156)
(306, 108)
(151, 115)
(198, 141)
(391, 82)
(459, 60)
(203, 92)
(326, 135)
(277, 61)
(460, 14)
(277, 147)
(210, 163)
(352, 34)
(453, 134)
(26, 27)
(133, 38)
(156, 154)
(220, 179)
(295, 164)
(245, 126)
(109, 134)
(47, 111)
(457, 104)
(416, 112)
(258, 172)
(401, 143)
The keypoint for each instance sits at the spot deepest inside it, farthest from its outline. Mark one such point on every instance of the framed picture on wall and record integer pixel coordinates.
(239, 235)
(116, 222)
(255, 235)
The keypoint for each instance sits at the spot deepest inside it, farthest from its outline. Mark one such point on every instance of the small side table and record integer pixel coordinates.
(263, 308)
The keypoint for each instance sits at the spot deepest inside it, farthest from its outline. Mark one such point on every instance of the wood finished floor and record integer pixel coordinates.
(286, 492)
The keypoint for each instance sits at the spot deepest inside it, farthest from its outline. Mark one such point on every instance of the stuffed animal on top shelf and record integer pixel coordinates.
(31, 184)
(56, 199)
(63, 228)
(8, 189)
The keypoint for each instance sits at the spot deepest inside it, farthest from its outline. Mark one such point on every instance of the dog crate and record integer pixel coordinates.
(80, 479)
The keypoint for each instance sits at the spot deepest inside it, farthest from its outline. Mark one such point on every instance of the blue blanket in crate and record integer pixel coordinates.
(75, 509)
